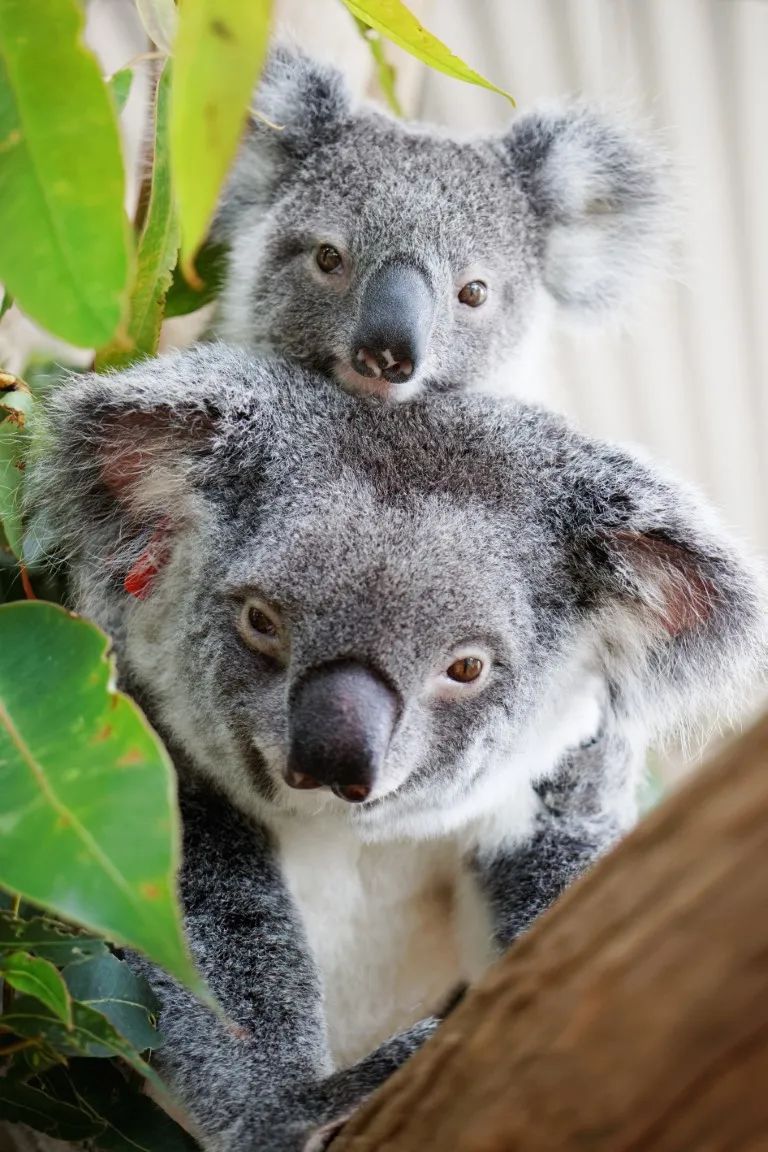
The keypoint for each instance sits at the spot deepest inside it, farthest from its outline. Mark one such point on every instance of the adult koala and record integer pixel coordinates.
(394, 258)
(406, 659)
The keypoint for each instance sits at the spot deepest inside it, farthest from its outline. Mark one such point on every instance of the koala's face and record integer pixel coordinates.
(418, 262)
(385, 610)
(392, 258)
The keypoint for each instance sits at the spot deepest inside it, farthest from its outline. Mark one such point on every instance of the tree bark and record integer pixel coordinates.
(633, 1017)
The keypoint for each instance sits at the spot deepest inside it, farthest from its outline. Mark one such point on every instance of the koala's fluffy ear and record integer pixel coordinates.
(120, 460)
(299, 104)
(680, 610)
(601, 198)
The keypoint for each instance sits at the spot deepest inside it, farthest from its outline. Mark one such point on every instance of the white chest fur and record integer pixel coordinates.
(395, 924)
(381, 922)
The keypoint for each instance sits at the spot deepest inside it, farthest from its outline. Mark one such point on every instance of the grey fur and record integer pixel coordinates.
(566, 203)
(387, 534)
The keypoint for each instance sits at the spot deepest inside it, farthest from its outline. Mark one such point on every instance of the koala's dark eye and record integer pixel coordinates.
(465, 670)
(260, 629)
(261, 623)
(328, 258)
(474, 294)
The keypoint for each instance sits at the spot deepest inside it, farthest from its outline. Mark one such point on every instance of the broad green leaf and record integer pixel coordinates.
(182, 297)
(120, 87)
(133, 1122)
(108, 985)
(156, 254)
(65, 244)
(90, 1034)
(32, 1061)
(22, 1104)
(7, 303)
(82, 774)
(218, 52)
(398, 24)
(15, 405)
(385, 72)
(38, 978)
(47, 938)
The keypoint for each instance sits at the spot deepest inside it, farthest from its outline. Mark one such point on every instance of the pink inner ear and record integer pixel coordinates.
(680, 596)
(122, 469)
(142, 574)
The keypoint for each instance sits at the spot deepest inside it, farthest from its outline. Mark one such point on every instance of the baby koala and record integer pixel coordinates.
(407, 659)
(397, 259)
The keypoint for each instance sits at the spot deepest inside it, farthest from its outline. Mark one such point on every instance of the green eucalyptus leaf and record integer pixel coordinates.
(38, 978)
(108, 985)
(218, 53)
(15, 406)
(396, 21)
(65, 251)
(133, 1122)
(156, 253)
(22, 1104)
(89, 824)
(48, 939)
(183, 298)
(6, 303)
(120, 86)
(385, 71)
(90, 1034)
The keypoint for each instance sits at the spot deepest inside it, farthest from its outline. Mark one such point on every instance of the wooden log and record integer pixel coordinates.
(633, 1017)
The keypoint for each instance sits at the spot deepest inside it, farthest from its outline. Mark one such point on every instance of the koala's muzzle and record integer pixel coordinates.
(396, 315)
(341, 720)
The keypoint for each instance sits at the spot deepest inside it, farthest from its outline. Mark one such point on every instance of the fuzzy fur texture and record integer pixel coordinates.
(566, 205)
(604, 599)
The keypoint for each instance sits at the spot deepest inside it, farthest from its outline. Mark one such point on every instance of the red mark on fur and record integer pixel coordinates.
(142, 573)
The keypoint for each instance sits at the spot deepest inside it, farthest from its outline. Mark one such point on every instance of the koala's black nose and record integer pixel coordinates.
(395, 323)
(342, 716)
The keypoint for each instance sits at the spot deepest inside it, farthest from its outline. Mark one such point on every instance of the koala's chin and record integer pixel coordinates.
(356, 383)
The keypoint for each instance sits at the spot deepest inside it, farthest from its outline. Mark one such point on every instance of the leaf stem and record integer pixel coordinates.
(18, 1046)
(26, 583)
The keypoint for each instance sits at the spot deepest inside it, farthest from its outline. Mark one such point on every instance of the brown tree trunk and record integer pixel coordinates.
(634, 1015)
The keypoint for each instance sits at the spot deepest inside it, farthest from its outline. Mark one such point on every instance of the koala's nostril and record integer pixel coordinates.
(354, 793)
(341, 718)
(301, 780)
(370, 362)
(394, 324)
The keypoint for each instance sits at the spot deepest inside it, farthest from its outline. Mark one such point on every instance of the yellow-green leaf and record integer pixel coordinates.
(398, 24)
(219, 50)
(157, 251)
(88, 823)
(38, 978)
(120, 87)
(65, 249)
(15, 405)
(385, 72)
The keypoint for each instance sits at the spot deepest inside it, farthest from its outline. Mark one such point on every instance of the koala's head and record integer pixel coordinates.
(388, 610)
(391, 257)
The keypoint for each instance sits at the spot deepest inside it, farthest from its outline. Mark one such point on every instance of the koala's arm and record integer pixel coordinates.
(584, 808)
(260, 1082)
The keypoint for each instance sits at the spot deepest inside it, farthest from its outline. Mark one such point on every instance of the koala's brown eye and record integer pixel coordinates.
(465, 670)
(260, 629)
(474, 294)
(261, 623)
(328, 258)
